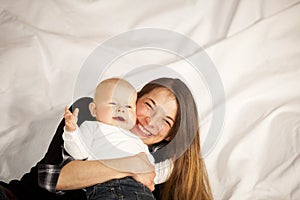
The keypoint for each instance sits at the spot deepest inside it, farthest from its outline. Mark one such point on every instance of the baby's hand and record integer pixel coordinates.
(70, 119)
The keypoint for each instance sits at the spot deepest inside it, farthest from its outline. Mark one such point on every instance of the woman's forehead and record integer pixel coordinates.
(162, 92)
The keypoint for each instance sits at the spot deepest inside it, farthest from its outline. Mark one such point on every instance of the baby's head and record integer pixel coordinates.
(115, 103)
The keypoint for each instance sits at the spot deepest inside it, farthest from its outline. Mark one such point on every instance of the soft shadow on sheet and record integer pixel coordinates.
(254, 46)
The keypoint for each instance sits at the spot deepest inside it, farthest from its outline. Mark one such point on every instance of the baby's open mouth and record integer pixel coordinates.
(118, 118)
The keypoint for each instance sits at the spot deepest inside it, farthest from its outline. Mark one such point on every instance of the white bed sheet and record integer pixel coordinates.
(255, 46)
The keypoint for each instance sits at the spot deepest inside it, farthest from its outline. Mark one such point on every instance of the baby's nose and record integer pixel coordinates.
(120, 109)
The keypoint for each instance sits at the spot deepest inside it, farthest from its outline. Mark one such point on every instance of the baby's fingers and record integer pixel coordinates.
(68, 116)
(67, 109)
(75, 113)
(69, 124)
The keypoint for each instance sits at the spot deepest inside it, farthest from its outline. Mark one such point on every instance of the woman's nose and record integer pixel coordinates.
(153, 124)
(153, 121)
(147, 120)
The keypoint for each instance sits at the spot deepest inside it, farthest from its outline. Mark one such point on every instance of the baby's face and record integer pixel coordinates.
(116, 106)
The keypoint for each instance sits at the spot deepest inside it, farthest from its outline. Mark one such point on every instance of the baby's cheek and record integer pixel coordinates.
(133, 115)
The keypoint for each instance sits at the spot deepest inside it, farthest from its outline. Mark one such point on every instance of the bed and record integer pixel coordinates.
(250, 120)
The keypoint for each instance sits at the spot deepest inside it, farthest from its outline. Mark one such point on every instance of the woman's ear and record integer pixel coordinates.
(92, 108)
(168, 138)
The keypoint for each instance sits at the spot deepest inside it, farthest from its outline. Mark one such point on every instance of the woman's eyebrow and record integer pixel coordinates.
(152, 101)
(171, 118)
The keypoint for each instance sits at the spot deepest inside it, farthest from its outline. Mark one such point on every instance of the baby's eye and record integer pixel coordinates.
(128, 106)
(112, 103)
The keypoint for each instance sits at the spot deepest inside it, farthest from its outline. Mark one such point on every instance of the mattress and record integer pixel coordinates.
(239, 58)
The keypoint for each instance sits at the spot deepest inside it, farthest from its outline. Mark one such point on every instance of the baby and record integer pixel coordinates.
(108, 137)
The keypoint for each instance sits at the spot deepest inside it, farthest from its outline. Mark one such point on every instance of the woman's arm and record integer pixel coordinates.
(80, 174)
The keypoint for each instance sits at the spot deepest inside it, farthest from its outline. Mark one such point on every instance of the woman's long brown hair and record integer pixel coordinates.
(189, 179)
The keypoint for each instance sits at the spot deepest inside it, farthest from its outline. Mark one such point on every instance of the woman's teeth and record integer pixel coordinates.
(144, 130)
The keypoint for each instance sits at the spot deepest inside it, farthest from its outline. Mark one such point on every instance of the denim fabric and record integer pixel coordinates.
(119, 189)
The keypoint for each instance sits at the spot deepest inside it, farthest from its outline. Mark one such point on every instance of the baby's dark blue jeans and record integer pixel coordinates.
(119, 189)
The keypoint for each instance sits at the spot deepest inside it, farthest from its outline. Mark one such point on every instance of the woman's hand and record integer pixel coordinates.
(139, 166)
(146, 179)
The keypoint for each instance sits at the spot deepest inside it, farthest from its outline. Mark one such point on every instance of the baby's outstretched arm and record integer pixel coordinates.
(70, 119)
(73, 143)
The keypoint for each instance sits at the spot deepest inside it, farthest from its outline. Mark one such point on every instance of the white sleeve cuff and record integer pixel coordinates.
(163, 171)
(70, 135)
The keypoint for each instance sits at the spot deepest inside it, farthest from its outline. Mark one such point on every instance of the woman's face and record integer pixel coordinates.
(156, 113)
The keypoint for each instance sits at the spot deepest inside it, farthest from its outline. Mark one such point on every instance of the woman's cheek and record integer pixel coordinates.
(141, 110)
(165, 130)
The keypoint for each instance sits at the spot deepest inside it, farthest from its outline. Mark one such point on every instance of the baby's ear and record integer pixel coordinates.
(92, 108)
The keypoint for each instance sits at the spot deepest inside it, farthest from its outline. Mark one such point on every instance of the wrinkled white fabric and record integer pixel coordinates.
(253, 44)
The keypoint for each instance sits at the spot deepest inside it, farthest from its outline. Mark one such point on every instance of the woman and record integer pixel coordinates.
(188, 179)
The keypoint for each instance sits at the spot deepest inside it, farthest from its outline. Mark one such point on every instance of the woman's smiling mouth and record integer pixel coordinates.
(144, 131)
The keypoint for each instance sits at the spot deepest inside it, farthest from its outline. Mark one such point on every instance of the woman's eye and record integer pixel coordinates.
(149, 105)
(112, 103)
(167, 122)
